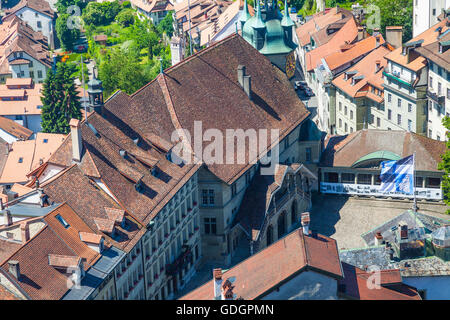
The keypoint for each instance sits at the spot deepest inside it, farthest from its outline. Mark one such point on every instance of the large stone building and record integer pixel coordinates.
(201, 88)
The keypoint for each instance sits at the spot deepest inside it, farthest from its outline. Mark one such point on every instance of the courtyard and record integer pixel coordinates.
(346, 218)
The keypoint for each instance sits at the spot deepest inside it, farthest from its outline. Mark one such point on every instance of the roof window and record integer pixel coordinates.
(62, 221)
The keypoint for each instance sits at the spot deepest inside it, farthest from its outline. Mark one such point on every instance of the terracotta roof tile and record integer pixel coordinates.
(262, 272)
(347, 34)
(354, 285)
(15, 129)
(366, 67)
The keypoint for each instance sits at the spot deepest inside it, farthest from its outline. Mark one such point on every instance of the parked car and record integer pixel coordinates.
(298, 85)
(309, 92)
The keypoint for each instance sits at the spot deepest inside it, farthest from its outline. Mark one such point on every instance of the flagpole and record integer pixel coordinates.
(414, 188)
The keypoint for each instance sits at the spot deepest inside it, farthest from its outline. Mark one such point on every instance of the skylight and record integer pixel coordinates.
(62, 221)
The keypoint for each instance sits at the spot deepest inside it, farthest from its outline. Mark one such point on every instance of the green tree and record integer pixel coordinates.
(60, 100)
(121, 70)
(395, 13)
(101, 13)
(166, 25)
(445, 165)
(62, 5)
(67, 36)
(125, 18)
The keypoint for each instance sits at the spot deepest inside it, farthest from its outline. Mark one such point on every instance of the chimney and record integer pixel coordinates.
(7, 218)
(14, 268)
(75, 131)
(25, 231)
(378, 239)
(305, 222)
(217, 278)
(403, 231)
(227, 291)
(360, 33)
(248, 86)
(241, 74)
(377, 39)
(377, 66)
(7, 148)
(394, 36)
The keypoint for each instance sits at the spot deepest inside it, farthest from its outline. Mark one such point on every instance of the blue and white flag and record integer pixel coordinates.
(398, 176)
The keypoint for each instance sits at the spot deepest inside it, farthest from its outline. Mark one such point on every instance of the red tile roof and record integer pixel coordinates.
(360, 48)
(262, 272)
(347, 34)
(70, 235)
(15, 129)
(38, 279)
(356, 284)
(366, 68)
(318, 22)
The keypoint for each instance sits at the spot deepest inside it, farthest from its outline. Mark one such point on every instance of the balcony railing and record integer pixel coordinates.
(435, 97)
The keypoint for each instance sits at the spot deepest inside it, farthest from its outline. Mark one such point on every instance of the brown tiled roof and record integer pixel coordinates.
(115, 215)
(37, 5)
(63, 261)
(70, 235)
(7, 295)
(90, 237)
(354, 285)
(7, 248)
(17, 36)
(15, 129)
(89, 202)
(26, 156)
(429, 36)
(38, 279)
(432, 53)
(261, 273)
(344, 151)
(205, 86)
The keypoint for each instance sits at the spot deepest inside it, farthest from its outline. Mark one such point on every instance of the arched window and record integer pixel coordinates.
(269, 235)
(281, 224)
(294, 212)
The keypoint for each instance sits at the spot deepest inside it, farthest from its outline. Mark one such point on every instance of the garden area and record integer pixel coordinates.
(127, 48)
